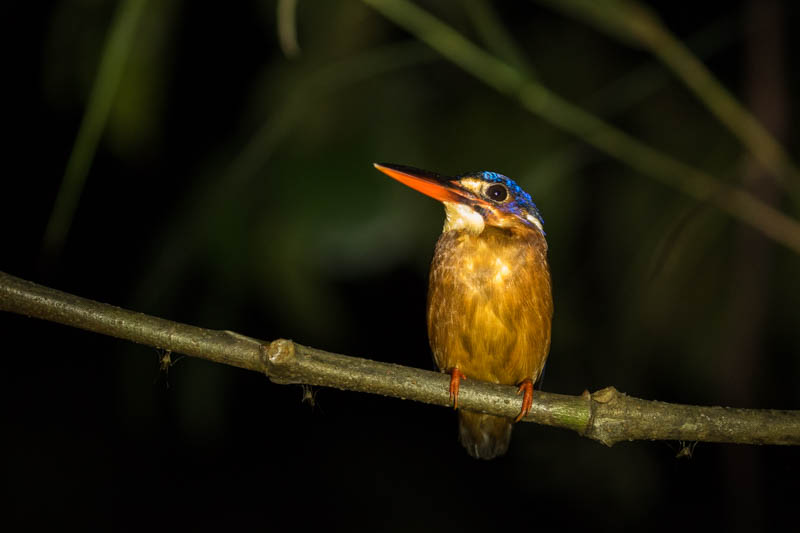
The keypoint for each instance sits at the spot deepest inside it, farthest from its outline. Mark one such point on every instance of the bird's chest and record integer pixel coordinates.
(488, 297)
(491, 268)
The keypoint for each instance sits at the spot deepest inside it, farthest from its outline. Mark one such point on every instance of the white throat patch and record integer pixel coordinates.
(536, 222)
(461, 216)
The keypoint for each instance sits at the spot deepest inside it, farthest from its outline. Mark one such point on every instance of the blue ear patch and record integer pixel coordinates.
(522, 201)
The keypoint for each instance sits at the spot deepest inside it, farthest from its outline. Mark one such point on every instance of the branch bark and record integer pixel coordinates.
(607, 416)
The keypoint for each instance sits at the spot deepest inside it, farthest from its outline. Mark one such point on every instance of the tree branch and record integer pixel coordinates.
(607, 416)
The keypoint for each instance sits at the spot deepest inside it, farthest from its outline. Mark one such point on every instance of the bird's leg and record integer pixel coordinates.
(527, 398)
(455, 380)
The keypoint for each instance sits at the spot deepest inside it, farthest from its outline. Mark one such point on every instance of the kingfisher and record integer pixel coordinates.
(490, 304)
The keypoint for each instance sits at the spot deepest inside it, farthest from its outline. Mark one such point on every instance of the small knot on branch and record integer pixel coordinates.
(601, 397)
(607, 395)
(280, 352)
(281, 356)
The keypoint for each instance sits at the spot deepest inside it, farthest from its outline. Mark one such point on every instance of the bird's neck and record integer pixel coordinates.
(462, 217)
(496, 256)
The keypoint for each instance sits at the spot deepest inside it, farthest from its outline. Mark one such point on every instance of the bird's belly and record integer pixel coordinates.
(489, 320)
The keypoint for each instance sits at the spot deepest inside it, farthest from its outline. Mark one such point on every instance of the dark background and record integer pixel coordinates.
(233, 189)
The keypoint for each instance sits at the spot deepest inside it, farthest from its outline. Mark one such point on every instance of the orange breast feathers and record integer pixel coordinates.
(490, 304)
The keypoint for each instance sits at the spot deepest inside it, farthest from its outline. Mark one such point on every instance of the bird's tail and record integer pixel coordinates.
(484, 436)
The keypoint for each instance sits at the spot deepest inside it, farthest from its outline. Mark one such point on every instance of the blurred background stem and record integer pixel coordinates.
(631, 21)
(109, 73)
(495, 35)
(744, 337)
(287, 27)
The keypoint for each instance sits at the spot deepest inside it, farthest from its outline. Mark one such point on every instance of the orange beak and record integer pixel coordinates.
(431, 184)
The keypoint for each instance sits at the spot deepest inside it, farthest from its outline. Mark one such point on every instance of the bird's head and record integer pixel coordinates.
(473, 201)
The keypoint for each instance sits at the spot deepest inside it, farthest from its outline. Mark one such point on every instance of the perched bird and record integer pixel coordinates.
(490, 304)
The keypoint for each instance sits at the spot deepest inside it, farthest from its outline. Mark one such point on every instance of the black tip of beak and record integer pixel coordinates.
(413, 171)
(432, 184)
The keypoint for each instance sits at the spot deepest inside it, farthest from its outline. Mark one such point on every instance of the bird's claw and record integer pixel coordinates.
(527, 398)
(455, 381)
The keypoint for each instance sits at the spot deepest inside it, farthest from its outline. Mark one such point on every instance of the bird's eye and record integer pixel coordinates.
(497, 192)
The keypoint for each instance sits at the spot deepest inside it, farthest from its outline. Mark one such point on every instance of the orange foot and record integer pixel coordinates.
(455, 380)
(527, 398)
